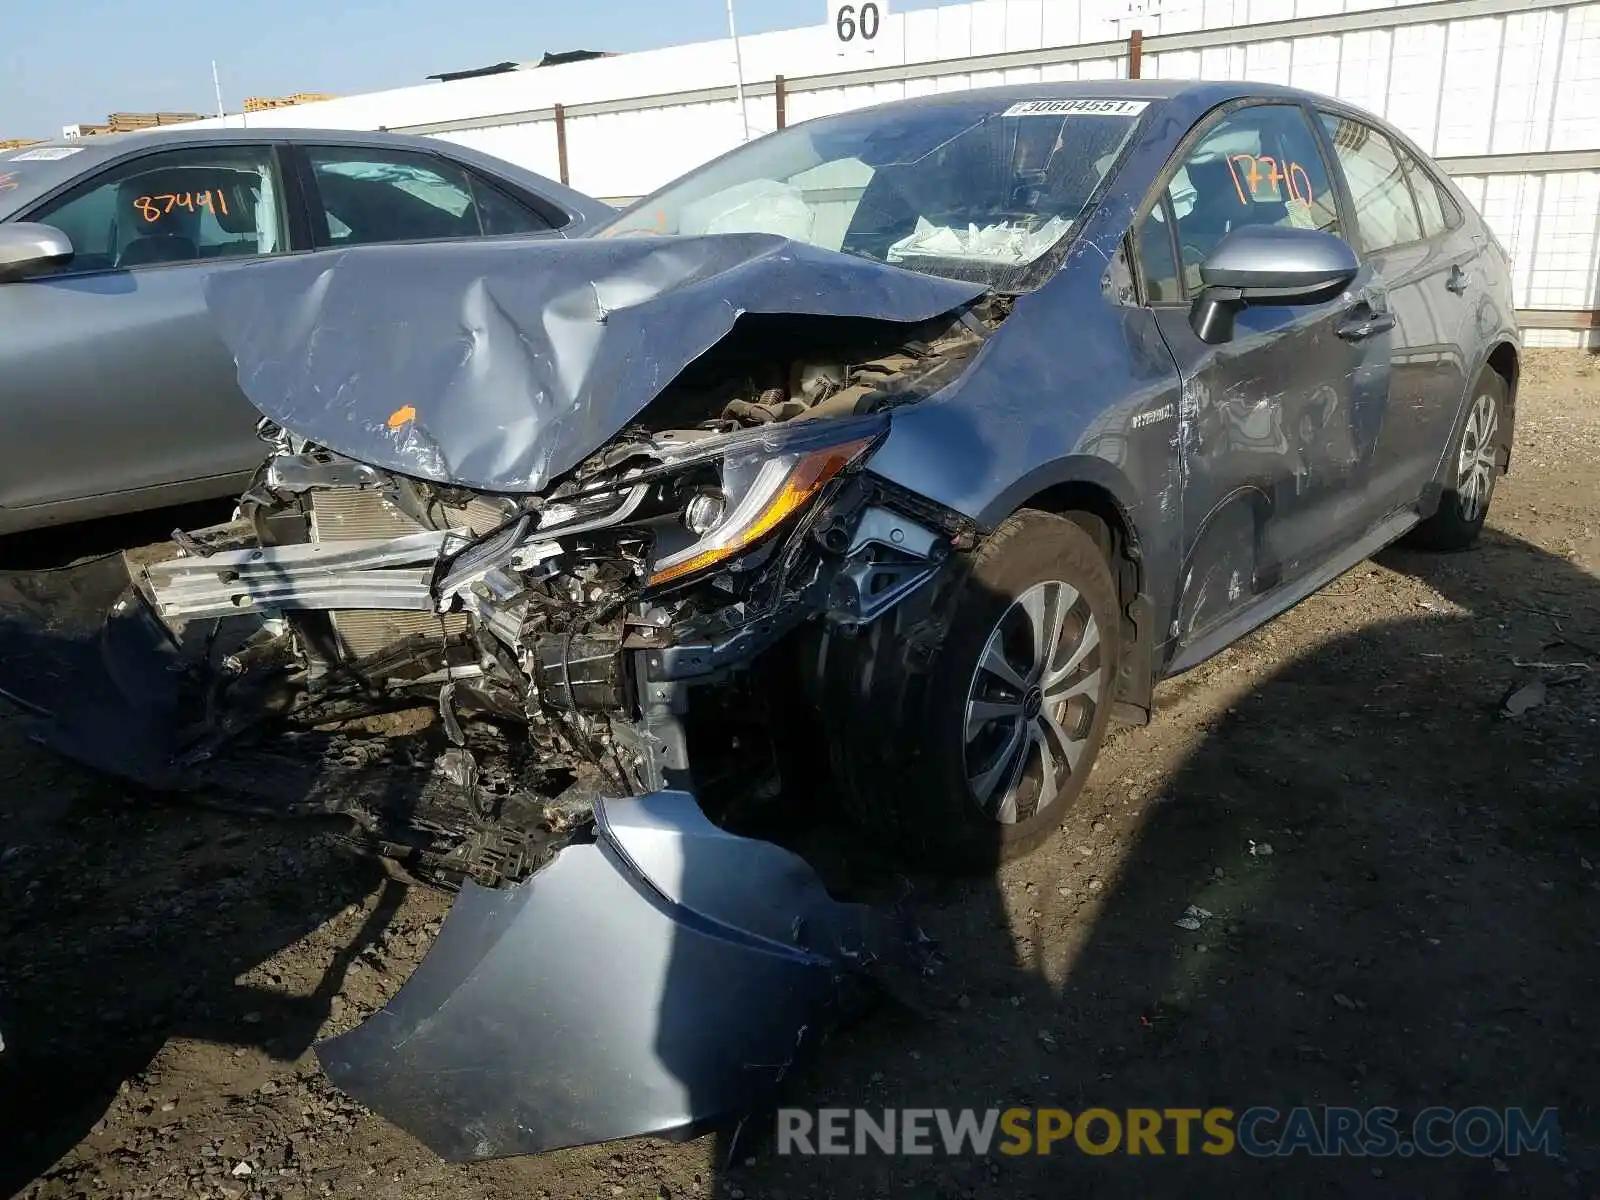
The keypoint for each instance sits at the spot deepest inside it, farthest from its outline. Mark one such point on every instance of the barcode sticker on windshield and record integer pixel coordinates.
(1077, 108)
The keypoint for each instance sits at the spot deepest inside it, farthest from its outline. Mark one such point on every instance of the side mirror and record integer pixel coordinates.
(1267, 264)
(29, 249)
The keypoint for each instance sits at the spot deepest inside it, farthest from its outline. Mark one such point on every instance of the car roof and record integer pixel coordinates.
(81, 155)
(87, 154)
(108, 145)
(1196, 94)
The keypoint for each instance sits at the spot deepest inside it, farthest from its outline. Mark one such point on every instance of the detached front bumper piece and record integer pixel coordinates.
(655, 980)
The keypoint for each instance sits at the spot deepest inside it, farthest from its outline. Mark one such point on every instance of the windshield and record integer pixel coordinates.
(28, 158)
(27, 167)
(974, 190)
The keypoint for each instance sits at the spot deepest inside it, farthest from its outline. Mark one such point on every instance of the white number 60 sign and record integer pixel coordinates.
(855, 24)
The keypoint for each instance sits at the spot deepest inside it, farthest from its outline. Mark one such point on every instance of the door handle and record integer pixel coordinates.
(1457, 282)
(1362, 322)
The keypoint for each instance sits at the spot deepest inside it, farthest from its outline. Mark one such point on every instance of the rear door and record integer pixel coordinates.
(1425, 266)
(112, 378)
(1278, 425)
(1456, 286)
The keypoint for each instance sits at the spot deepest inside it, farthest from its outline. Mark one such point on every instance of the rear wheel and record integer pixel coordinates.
(973, 731)
(1475, 462)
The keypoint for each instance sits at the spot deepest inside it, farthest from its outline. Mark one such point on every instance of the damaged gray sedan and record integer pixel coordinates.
(893, 454)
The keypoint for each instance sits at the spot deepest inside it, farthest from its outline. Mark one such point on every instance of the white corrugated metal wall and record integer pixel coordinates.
(1506, 93)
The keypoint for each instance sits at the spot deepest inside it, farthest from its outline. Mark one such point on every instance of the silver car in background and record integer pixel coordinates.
(115, 394)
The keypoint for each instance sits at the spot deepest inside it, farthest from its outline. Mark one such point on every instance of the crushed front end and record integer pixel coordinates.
(558, 703)
(613, 636)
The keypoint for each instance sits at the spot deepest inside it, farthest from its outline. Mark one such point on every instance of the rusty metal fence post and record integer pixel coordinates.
(780, 94)
(561, 142)
(1135, 53)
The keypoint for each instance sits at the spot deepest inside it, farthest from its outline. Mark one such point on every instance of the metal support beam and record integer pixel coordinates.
(392, 573)
(561, 142)
(1536, 162)
(1559, 318)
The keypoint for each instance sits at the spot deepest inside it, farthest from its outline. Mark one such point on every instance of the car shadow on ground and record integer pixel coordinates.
(125, 919)
(110, 955)
(1400, 886)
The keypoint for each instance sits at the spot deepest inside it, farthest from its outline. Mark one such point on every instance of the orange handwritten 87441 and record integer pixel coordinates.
(153, 208)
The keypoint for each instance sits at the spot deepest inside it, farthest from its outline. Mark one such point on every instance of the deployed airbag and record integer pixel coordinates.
(1012, 245)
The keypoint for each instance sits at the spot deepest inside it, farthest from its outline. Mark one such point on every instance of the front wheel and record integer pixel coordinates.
(972, 731)
(1475, 465)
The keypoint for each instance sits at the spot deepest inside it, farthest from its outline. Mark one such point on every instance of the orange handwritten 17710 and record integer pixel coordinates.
(1257, 170)
(153, 208)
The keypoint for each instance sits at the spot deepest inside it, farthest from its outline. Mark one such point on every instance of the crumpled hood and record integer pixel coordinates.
(500, 365)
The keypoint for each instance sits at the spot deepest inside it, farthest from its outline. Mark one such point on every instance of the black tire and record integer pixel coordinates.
(898, 693)
(1461, 516)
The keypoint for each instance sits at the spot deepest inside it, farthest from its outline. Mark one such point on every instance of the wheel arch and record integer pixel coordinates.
(1095, 507)
(1505, 361)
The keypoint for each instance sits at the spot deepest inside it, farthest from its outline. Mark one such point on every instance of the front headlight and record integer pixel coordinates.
(765, 479)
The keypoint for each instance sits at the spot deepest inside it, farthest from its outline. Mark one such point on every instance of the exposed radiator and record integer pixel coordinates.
(347, 514)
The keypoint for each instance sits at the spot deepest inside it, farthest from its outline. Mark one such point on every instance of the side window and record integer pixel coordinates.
(500, 214)
(171, 207)
(1438, 211)
(371, 195)
(1258, 166)
(1426, 196)
(1385, 213)
(1447, 202)
(391, 196)
(1157, 268)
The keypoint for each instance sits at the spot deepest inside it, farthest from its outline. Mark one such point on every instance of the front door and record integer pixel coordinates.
(113, 379)
(1278, 424)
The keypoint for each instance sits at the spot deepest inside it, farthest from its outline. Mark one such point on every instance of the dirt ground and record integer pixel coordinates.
(1404, 889)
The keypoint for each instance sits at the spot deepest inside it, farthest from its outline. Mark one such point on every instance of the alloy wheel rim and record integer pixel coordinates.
(1476, 466)
(1032, 701)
